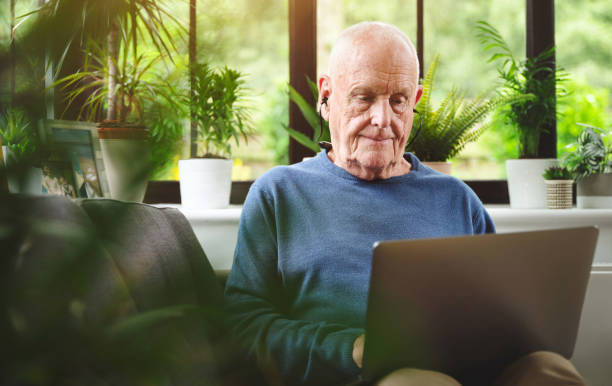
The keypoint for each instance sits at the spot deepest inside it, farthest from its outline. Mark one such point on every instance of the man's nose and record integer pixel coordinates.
(380, 113)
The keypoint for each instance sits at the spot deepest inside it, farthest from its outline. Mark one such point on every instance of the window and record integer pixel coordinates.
(252, 36)
(450, 31)
(584, 51)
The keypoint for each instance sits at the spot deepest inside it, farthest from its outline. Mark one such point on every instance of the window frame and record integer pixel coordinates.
(540, 35)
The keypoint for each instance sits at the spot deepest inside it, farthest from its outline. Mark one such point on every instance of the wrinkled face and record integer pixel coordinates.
(370, 107)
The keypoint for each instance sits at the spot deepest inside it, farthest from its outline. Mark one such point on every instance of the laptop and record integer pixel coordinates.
(469, 306)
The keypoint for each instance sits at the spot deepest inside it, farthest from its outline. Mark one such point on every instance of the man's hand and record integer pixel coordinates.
(358, 350)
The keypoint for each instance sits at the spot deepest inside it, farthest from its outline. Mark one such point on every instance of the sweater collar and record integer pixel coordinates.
(323, 160)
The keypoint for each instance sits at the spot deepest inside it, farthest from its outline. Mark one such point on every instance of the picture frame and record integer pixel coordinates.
(73, 165)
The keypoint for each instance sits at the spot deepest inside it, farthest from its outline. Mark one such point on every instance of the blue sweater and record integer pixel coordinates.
(298, 287)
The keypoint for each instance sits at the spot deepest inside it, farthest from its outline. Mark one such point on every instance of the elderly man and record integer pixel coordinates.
(298, 286)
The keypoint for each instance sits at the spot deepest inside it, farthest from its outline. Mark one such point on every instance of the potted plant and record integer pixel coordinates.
(117, 78)
(590, 161)
(19, 151)
(559, 184)
(320, 127)
(219, 107)
(444, 131)
(530, 77)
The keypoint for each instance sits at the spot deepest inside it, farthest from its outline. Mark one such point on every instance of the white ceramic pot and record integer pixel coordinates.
(442, 167)
(205, 183)
(595, 191)
(127, 165)
(526, 185)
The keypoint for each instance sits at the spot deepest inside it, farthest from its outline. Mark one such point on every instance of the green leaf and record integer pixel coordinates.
(302, 139)
(307, 110)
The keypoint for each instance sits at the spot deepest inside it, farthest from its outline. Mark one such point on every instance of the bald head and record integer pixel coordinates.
(368, 98)
(371, 38)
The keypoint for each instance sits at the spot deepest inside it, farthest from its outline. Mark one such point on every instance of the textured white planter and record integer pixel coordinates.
(559, 194)
(205, 183)
(595, 191)
(442, 167)
(526, 185)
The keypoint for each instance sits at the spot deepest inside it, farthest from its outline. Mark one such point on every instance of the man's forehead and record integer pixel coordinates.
(373, 47)
(377, 72)
(366, 86)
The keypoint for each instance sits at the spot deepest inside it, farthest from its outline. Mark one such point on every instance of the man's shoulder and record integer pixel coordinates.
(444, 182)
(287, 176)
(430, 175)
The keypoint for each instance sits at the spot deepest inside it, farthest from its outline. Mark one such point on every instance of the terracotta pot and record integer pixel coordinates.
(126, 153)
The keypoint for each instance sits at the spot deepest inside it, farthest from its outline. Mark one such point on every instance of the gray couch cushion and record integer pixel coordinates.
(59, 291)
(56, 261)
(156, 252)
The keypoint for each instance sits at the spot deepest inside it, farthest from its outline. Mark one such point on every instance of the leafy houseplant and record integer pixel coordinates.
(113, 74)
(557, 173)
(590, 154)
(531, 117)
(20, 152)
(17, 135)
(457, 121)
(117, 78)
(590, 161)
(531, 76)
(219, 105)
(220, 108)
(320, 127)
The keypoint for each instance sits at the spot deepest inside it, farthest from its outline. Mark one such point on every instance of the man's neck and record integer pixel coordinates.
(355, 168)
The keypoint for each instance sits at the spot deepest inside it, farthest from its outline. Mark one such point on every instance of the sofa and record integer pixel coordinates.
(98, 292)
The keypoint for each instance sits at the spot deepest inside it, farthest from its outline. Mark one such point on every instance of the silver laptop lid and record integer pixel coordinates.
(471, 305)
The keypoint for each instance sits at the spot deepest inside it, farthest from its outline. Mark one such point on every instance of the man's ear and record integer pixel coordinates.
(324, 95)
(419, 93)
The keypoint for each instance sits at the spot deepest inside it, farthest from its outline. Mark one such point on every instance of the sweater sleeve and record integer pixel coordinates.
(304, 352)
(481, 220)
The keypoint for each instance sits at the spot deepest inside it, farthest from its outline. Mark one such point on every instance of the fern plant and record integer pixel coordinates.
(532, 76)
(457, 121)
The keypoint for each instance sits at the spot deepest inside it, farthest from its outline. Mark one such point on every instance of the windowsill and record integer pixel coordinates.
(508, 220)
(217, 229)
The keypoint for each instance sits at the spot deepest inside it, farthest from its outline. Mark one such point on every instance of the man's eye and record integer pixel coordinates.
(398, 104)
(365, 98)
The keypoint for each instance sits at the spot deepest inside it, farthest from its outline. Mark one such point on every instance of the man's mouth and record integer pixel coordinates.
(376, 139)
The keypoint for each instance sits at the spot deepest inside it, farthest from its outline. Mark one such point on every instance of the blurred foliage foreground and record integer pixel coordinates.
(80, 304)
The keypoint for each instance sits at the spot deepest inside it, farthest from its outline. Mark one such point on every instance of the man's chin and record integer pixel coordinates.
(374, 161)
